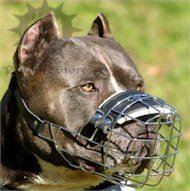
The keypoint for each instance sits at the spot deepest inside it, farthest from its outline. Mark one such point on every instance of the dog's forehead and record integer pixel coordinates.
(67, 57)
(68, 52)
(82, 57)
(108, 51)
(89, 50)
(112, 56)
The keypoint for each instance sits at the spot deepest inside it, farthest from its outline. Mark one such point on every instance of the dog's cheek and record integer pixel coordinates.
(36, 144)
(79, 108)
(42, 145)
(62, 141)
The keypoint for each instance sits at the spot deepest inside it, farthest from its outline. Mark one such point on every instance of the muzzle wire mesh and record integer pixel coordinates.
(163, 131)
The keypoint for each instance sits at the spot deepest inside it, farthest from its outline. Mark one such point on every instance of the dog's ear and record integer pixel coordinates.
(100, 27)
(35, 41)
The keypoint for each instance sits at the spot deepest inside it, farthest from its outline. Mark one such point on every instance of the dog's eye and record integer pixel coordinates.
(88, 87)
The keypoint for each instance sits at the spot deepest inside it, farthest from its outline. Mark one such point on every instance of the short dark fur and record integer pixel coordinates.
(50, 73)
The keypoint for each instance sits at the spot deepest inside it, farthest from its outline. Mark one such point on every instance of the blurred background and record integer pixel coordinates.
(156, 34)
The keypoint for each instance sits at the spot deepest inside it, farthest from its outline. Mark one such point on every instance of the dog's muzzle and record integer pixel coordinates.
(148, 152)
(157, 138)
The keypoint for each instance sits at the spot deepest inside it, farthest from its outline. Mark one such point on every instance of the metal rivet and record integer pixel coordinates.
(107, 120)
(106, 129)
(131, 99)
(98, 115)
(35, 123)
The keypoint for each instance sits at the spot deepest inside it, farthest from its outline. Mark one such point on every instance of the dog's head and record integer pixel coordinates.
(64, 80)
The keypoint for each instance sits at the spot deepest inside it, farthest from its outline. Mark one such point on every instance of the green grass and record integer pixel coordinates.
(157, 36)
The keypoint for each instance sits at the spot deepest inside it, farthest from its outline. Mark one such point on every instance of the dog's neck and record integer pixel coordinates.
(17, 164)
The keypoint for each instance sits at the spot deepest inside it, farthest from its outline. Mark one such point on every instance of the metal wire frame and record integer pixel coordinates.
(160, 164)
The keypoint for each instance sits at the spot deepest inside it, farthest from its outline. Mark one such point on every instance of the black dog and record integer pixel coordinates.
(62, 80)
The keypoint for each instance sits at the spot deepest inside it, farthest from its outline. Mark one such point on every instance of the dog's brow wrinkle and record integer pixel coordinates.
(115, 84)
(98, 52)
(105, 60)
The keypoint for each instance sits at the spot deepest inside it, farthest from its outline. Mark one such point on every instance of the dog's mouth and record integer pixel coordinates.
(129, 151)
(122, 149)
(135, 166)
(137, 143)
(130, 148)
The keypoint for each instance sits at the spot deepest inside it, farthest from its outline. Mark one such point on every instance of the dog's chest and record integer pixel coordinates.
(60, 178)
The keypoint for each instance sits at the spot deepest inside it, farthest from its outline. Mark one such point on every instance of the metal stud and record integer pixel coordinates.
(35, 123)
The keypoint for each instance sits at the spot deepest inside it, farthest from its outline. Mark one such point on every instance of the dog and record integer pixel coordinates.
(62, 80)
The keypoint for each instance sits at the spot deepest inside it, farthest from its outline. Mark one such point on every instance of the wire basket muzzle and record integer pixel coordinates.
(137, 136)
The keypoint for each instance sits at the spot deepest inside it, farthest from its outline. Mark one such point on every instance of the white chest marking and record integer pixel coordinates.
(60, 178)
